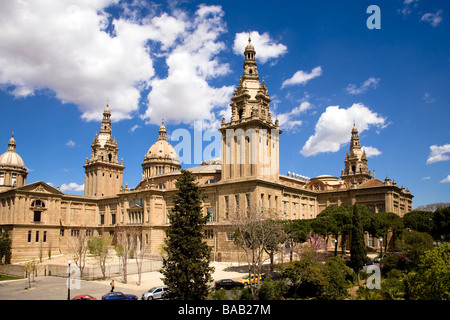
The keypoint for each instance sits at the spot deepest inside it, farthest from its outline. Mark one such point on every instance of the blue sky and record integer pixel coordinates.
(60, 62)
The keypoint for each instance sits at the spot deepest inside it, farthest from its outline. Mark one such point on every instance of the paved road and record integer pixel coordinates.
(55, 288)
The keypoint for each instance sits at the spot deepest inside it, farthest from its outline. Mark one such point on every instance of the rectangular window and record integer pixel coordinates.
(29, 236)
(210, 212)
(44, 239)
(37, 236)
(113, 218)
(37, 216)
(102, 219)
(229, 236)
(248, 200)
(209, 234)
(237, 201)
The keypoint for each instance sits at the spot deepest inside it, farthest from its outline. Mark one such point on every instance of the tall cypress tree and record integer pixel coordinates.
(186, 267)
(358, 252)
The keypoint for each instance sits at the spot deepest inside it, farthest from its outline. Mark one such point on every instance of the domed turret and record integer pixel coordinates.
(161, 157)
(13, 172)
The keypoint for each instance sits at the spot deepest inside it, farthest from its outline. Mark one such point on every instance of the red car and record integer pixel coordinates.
(84, 297)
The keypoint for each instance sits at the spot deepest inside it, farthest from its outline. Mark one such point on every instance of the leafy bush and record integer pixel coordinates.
(273, 289)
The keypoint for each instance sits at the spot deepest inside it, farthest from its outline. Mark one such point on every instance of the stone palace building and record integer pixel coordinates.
(41, 220)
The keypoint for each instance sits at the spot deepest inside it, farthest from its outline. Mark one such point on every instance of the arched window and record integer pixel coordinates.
(38, 203)
(137, 202)
(38, 206)
(241, 113)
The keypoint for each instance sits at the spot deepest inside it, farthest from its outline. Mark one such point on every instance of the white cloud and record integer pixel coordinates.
(302, 77)
(286, 120)
(407, 6)
(70, 144)
(133, 128)
(428, 99)
(439, 153)
(446, 180)
(72, 186)
(191, 64)
(265, 47)
(371, 151)
(64, 47)
(333, 128)
(433, 18)
(369, 83)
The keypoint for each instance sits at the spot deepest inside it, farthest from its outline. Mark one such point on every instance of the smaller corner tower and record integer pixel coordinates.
(103, 171)
(356, 170)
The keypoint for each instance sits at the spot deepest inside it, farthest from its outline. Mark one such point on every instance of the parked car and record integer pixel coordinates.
(228, 284)
(379, 258)
(84, 297)
(155, 293)
(271, 275)
(119, 296)
(400, 255)
(245, 280)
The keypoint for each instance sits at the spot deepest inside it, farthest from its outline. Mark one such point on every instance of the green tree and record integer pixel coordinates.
(421, 221)
(278, 236)
(98, 247)
(186, 267)
(358, 252)
(340, 223)
(306, 277)
(389, 223)
(441, 222)
(432, 280)
(414, 244)
(5, 247)
(338, 277)
(296, 232)
(273, 289)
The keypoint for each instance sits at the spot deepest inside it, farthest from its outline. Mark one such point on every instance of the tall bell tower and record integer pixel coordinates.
(250, 141)
(103, 172)
(356, 170)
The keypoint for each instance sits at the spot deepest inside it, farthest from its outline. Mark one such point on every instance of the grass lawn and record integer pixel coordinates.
(4, 277)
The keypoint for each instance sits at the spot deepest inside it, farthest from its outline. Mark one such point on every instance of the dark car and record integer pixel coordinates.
(119, 296)
(228, 284)
(272, 275)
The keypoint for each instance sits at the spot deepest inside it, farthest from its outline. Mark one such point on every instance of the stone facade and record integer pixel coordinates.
(42, 221)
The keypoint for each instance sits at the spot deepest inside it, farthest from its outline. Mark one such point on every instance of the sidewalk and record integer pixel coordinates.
(55, 288)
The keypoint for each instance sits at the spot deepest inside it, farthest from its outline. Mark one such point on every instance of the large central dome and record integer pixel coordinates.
(161, 157)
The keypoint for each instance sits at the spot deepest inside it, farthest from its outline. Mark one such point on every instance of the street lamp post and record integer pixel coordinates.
(335, 247)
(381, 247)
(68, 281)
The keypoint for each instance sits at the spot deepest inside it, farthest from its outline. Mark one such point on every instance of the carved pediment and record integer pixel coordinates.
(40, 187)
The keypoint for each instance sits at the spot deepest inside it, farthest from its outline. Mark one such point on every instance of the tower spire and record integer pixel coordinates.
(162, 132)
